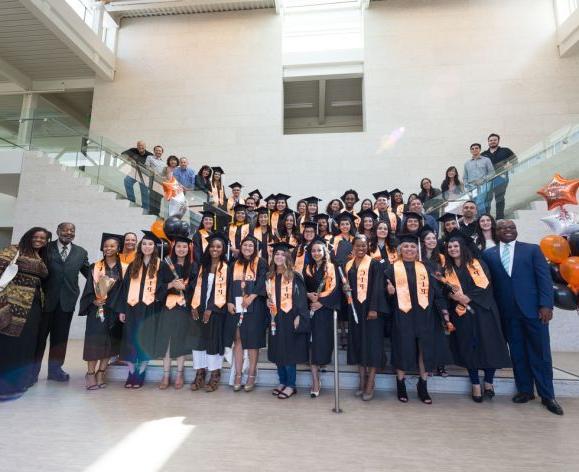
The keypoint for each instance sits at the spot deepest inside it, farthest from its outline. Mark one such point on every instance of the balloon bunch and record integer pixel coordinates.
(174, 227)
(562, 248)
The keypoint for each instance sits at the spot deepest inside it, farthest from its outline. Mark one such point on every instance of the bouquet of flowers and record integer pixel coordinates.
(102, 288)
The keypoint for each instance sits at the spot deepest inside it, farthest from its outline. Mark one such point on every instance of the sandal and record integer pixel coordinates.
(441, 371)
(237, 386)
(199, 381)
(401, 390)
(213, 381)
(101, 378)
(276, 391)
(130, 380)
(179, 380)
(489, 392)
(249, 386)
(139, 379)
(164, 385)
(284, 396)
(91, 382)
(423, 392)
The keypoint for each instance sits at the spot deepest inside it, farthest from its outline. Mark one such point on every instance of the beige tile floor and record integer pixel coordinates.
(63, 428)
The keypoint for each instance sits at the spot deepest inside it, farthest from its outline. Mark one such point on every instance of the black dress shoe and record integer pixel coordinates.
(552, 405)
(58, 375)
(523, 397)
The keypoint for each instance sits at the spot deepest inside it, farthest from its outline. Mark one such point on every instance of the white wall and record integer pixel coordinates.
(209, 87)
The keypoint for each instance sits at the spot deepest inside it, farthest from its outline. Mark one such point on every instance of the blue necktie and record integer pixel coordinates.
(506, 257)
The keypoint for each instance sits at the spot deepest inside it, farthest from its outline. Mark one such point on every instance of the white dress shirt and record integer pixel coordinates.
(511, 252)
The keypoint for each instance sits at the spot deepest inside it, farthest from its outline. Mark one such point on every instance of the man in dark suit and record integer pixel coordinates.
(64, 261)
(524, 293)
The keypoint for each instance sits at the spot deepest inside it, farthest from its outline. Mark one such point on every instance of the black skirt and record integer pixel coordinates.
(139, 330)
(173, 329)
(17, 353)
(322, 343)
(366, 339)
(287, 347)
(102, 339)
(252, 329)
(213, 333)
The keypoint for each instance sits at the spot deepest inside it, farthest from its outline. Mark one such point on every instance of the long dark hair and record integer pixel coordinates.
(241, 258)
(393, 204)
(282, 230)
(25, 243)
(206, 257)
(480, 237)
(388, 241)
(466, 256)
(361, 226)
(446, 182)
(329, 209)
(312, 263)
(188, 259)
(435, 256)
(203, 168)
(139, 258)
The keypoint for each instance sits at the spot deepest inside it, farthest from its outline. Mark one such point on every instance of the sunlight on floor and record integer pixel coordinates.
(147, 448)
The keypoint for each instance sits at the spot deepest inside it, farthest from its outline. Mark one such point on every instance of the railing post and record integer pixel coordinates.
(336, 408)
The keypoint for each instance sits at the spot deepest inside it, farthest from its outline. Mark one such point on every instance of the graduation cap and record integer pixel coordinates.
(117, 237)
(251, 238)
(396, 190)
(382, 193)
(181, 239)
(235, 185)
(427, 229)
(368, 214)
(284, 214)
(457, 235)
(253, 192)
(208, 214)
(282, 196)
(270, 197)
(218, 169)
(217, 235)
(262, 211)
(239, 207)
(345, 216)
(150, 236)
(449, 217)
(348, 192)
(282, 246)
(312, 200)
(317, 240)
(321, 216)
(413, 214)
(408, 238)
(310, 224)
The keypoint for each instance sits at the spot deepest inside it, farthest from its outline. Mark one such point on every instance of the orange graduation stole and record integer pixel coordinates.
(99, 270)
(391, 218)
(204, 243)
(231, 202)
(274, 220)
(148, 290)
(392, 255)
(329, 278)
(402, 289)
(478, 276)
(245, 272)
(218, 194)
(127, 257)
(219, 287)
(361, 277)
(174, 299)
(357, 219)
(286, 302)
(233, 231)
(337, 240)
(300, 260)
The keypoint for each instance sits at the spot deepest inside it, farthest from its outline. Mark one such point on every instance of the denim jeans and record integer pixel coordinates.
(499, 188)
(287, 375)
(474, 378)
(129, 188)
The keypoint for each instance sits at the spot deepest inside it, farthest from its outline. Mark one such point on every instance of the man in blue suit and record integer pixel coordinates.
(524, 293)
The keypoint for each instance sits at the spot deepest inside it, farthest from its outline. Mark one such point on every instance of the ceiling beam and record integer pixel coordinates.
(14, 75)
(79, 84)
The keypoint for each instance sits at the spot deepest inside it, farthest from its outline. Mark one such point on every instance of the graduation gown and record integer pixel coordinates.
(102, 339)
(419, 327)
(211, 333)
(264, 239)
(341, 249)
(288, 346)
(199, 244)
(322, 320)
(478, 342)
(366, 338)
(256, 317)
(174, 325)
(140, 327)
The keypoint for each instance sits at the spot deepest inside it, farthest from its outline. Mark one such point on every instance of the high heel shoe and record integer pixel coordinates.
(199, 382)
(130, 380)
(179, 380)
(101, 378)
(249, 386)
(237, 386)
(476, 398)
(91, 382)
(164, 385)
(401, 390)
(489, 392)
(139, 379)
(422, 390)
(314, 394)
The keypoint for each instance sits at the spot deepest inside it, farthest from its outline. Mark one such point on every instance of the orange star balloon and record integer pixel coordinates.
(559, 192)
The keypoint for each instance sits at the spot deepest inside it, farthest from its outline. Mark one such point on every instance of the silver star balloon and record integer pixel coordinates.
(563, 223)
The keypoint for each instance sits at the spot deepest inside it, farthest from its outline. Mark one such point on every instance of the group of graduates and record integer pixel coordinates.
(274, 277)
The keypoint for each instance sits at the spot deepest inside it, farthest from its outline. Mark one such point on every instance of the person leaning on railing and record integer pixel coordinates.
(203, 179)
(477, 170)
(156, 164)
(137, 156)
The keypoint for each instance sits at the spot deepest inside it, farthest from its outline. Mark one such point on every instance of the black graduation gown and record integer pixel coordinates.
(255, 318)
(340, 256)
(262, 246)
(419, 327)
(478, 342)
(198, 246)
(366, 338)
(289, 347)
(102, 339)
(211, 334)
(174, 324)
(140, 327)
(322, 321)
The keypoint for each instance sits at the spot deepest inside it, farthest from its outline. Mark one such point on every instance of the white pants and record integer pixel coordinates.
(202, 360)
